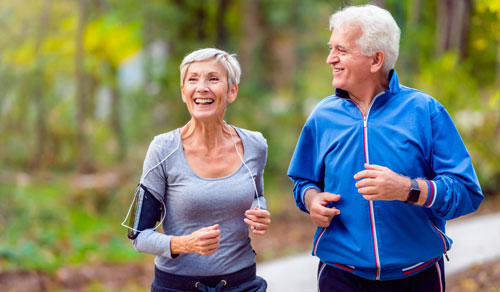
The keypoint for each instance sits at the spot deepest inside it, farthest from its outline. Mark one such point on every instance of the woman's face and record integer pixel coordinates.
(205, 90)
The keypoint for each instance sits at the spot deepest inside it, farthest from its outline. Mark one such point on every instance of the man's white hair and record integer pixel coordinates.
(228, 61)
(379, 30)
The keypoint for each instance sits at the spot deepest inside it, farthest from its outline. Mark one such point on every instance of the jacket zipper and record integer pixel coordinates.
(370, 203)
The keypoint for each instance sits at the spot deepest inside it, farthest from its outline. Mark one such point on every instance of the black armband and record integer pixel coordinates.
(147, 210)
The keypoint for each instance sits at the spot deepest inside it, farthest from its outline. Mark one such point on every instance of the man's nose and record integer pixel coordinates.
(332, 58)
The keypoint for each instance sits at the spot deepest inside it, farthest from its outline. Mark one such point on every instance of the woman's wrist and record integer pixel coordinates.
(177, 245)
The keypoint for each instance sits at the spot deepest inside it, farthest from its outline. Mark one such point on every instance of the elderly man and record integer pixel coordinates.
(379, 167)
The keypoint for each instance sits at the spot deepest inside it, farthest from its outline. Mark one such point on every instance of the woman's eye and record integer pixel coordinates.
(214, 79)
(191, 79)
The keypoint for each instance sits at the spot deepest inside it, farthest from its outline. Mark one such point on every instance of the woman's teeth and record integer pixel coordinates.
(203, 101)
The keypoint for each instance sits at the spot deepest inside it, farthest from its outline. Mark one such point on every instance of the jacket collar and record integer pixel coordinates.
(394, 86)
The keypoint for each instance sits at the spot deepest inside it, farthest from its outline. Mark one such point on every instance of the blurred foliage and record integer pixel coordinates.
(46, 225)
(129, 83)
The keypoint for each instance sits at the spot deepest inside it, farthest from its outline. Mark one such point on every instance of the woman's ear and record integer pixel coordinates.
(182, 94)
(233, 93)
(377, 61)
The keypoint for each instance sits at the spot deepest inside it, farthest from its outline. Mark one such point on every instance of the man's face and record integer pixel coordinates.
(350, 67)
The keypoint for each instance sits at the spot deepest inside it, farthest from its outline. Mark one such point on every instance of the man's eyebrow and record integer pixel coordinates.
(336, 46)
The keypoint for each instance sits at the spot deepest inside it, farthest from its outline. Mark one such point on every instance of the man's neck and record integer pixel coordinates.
(366, 94)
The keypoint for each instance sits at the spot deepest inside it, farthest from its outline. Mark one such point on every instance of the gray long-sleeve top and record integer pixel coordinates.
(192, 202)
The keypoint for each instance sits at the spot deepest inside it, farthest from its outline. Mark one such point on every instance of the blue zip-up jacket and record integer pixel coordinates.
(409, 132)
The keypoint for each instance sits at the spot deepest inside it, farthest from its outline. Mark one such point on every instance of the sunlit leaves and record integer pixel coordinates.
(112, 39)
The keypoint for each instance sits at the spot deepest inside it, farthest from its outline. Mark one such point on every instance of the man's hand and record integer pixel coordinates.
(316, 203)
(258, 219)
(204, 241)
(381, 183)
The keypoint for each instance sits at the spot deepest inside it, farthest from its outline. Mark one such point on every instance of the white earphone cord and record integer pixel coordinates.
(163, 215)
(248, 168)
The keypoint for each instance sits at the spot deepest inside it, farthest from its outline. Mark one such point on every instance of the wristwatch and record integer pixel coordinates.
(414, 193)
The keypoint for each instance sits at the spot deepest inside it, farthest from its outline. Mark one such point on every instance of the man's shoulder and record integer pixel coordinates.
(413, 93)
(328, 103)
(419, 97)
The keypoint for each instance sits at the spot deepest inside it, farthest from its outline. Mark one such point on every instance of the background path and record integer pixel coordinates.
(475, 241)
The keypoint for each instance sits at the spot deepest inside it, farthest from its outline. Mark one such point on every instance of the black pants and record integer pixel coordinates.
(331, 279)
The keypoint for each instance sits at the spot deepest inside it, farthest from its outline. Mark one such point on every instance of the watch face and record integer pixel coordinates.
(413, 196)
(414, 193)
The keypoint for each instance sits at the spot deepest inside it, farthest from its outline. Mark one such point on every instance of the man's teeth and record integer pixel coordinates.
(204, 101)
(337, 70)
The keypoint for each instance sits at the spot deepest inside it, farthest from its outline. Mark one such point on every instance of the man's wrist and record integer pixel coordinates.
(424, 189)
(407, 184)
(422, 186)
(308, 196)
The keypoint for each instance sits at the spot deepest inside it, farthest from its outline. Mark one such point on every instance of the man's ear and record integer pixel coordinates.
(377, 61)
(233, 93)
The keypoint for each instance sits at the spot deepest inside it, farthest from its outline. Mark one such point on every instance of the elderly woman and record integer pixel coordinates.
(204, 183)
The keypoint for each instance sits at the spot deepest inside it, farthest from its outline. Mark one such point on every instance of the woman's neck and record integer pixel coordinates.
(205, 135)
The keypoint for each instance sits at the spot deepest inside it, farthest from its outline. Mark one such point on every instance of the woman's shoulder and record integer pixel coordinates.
(165, 141)
(253, 137)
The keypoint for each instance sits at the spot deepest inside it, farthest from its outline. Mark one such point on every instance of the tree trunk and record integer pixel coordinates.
(251, 36)
(116, 124)
(84, 163)
(464, 29)
(200, 17)
(38, 98)
(415, 12)
(221, 37)
(453, 21)
(444, 19)
(379, 3)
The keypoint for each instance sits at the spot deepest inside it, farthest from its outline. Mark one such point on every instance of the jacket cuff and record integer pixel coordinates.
(303, 193)
(435, 199)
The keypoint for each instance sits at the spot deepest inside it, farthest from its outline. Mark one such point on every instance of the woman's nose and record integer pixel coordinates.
(202, 87)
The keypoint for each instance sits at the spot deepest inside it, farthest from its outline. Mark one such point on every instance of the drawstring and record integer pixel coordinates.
(206, 288)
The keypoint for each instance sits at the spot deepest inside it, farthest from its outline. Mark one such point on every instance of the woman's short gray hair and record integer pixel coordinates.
(379, 30)
(228, 61)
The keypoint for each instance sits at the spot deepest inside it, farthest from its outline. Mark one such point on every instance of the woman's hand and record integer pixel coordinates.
(204, 241)
(258, 219)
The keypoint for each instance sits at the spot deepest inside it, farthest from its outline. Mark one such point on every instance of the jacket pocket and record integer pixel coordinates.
(443, 238)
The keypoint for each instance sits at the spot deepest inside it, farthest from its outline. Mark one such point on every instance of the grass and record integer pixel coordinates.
(52, 224)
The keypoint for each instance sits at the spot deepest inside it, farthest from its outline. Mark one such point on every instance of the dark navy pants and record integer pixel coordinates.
(331, 279)
(244, 280)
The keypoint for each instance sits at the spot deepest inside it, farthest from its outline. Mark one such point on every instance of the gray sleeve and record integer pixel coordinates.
(152, 242)
(261, 157)
(154, 175)
(154, 178)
